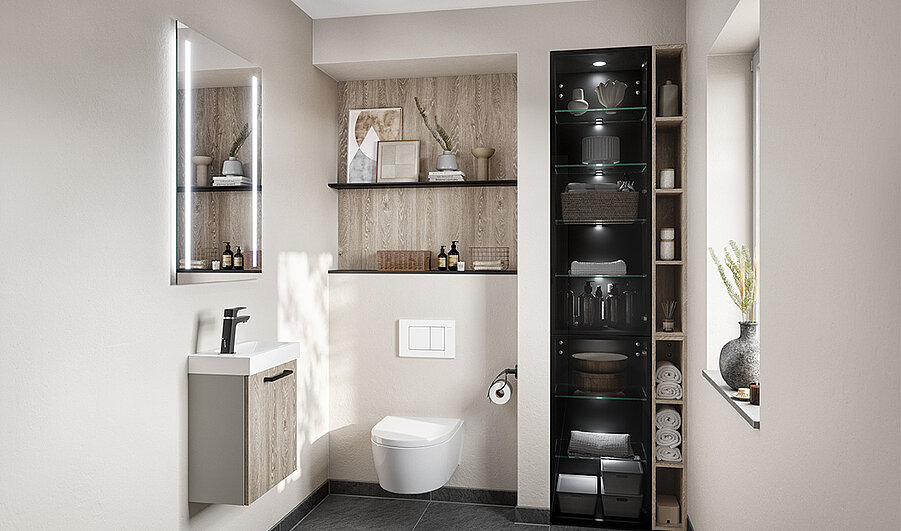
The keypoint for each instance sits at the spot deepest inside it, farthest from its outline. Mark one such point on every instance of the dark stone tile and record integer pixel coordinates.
(577, 528)
(303, 508)
(482, 496)
(340, 513)
(445, 516)
(360, 488)
(532, 515)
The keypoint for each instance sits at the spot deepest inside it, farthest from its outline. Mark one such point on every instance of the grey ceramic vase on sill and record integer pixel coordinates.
(740, 358)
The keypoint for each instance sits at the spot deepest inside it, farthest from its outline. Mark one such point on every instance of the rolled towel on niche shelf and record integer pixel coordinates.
(669, 391)
(668, 372)
(668, 417)
(668, 437)
(665, 453)
(594, 444)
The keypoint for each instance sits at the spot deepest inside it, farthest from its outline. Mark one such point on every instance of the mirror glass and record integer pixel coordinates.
(218, 178)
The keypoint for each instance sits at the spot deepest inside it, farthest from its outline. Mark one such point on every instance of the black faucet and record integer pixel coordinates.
(229, 324)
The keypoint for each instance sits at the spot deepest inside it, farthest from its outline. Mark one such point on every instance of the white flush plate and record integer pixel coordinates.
(417, 338)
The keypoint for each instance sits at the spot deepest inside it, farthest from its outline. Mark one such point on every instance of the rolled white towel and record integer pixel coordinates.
(668, 437)
(668, 417)
(668, 372)
(669, 391)
(665, 453)
(593, 444)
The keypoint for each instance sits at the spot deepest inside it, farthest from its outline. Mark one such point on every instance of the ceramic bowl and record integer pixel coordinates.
(611, 93)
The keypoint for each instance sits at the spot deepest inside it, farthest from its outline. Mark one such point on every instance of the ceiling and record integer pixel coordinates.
(355, 8)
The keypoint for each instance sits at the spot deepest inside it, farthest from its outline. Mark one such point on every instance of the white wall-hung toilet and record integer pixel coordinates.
(414, 455)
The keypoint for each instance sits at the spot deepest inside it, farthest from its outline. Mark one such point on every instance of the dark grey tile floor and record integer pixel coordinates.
(345, 513)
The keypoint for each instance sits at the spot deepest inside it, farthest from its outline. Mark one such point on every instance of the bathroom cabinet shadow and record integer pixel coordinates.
(242, 434)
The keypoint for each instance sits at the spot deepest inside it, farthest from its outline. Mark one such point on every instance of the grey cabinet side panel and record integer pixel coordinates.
(216, 439)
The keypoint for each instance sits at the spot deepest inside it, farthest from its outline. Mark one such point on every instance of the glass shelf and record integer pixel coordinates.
(602, 116)
(602, 333)
(599, 276)
(636, 221)
(563, 444)
(634, 394)
(600, 168)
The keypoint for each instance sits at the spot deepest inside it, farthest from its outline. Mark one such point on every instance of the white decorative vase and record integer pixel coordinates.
(578, 105)
(232, 166)
(446, 161)
(201, 170)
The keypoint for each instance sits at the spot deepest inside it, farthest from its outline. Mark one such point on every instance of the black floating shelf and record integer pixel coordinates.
(241, 188)
(431, 272)
(449, 184)
(219, 271)
(601, 333)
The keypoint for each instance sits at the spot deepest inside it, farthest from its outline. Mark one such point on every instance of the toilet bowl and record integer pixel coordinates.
(414, 455)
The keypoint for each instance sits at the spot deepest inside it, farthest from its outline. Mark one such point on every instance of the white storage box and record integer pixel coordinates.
(577, 494)
(620, 505)
(621, 477)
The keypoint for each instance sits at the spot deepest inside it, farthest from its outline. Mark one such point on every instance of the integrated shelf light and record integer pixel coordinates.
(254, 166)
(599, 63)
(188, 114)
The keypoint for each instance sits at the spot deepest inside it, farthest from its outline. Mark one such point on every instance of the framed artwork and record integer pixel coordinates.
(397, 161)
(365, 128)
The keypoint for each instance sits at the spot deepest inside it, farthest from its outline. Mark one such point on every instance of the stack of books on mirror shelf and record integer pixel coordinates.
(446, 176)
(230, 180)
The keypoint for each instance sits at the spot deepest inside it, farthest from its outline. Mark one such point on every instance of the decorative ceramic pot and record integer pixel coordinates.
(232, 166)
(578, 105)
(482, 154)
(740, 358)
(202, 172)
(446, 161)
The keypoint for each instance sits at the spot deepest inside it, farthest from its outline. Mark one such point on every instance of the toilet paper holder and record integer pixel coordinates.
(504, 373)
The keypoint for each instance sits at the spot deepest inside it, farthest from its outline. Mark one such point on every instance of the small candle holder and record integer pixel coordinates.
(755, 393)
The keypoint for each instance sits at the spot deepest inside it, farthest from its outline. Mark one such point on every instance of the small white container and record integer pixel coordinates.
(621, 477)
(668, 99)
(667, 250)
(667, 178)
(667, 234)
(215, 265)
(577, 494)
(461, 266)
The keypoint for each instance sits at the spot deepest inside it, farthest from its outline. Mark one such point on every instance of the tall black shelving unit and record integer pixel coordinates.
(626, 409)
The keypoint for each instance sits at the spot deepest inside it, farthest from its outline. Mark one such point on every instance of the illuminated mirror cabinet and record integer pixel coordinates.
(218, 181)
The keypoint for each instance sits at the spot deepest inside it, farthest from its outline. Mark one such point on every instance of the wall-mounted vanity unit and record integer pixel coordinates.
(218, 181)
(242, 421)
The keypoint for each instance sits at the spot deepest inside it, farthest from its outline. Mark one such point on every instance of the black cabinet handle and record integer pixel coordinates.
(284, 373)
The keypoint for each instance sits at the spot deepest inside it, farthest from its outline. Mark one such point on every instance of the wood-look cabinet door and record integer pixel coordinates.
(271, 444)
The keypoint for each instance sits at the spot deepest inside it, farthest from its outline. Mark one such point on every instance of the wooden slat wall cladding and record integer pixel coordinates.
(477, 111)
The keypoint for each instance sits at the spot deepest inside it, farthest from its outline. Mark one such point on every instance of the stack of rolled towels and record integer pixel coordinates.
(596, 444)
(668, 437)
(669, 381)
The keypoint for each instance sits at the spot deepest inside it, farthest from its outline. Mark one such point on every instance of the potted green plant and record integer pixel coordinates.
(740, 358)
(233, 166)
(447, 160)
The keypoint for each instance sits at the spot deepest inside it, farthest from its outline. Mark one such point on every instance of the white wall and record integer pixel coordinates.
(94, 339)
(369, 381)
(531, 32)
(826, 456)
(729, 185)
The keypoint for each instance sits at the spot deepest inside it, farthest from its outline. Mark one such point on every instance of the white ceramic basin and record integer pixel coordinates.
(250, 357)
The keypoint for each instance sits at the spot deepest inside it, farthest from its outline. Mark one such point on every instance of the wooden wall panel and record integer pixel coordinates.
(477, 110)
(371, 220)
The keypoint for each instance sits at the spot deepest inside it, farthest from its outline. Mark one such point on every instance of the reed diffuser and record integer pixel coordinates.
(669, 310)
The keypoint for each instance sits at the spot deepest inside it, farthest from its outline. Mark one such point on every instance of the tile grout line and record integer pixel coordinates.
(421, 515)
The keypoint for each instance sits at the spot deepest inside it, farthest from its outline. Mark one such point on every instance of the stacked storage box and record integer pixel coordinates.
(621, 495)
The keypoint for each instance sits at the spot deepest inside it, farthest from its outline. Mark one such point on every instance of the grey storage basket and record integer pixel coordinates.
(587, 206)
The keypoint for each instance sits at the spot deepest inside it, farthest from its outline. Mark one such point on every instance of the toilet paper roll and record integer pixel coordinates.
(500, 392)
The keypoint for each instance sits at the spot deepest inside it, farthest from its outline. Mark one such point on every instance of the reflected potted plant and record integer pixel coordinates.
(740, 358)
(233, 166)
(447, 160)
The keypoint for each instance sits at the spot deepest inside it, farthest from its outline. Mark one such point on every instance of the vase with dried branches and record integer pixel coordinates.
(447, 161)
(740, 358)
(233, 166)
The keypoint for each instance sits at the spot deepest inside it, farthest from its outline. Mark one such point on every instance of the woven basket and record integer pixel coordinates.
(585, 206)
(599, 383)
(404, 260)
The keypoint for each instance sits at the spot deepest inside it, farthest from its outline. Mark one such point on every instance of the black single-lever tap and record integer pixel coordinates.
(229, 324)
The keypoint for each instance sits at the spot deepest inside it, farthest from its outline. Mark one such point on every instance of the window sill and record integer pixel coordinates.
(750, 413)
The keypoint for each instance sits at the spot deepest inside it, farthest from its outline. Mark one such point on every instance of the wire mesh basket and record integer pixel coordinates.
(489, 258)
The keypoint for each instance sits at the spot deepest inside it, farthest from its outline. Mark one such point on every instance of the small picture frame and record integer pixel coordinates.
(397, 161)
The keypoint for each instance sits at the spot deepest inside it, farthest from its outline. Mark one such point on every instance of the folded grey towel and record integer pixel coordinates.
(668, 437)
(669, 391)
(667, 372)
(591, 444)
(668, 417)
(665, 453)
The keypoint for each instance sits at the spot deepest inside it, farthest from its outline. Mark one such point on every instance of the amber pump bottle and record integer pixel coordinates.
(227, 256)
(453, 256)
(442, 260)
(239, 259)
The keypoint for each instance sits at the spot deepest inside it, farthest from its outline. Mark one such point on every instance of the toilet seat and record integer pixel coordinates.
(414, 432)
